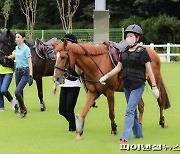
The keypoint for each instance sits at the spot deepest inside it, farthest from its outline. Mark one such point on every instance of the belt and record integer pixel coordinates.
(22, 68)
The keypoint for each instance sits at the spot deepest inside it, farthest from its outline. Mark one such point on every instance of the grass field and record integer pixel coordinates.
(47, 132)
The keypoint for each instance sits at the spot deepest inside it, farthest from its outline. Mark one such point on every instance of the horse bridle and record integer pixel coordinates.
(67, 64)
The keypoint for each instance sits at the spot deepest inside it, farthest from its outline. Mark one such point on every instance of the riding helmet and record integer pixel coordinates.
(134, 29)
(70, 37)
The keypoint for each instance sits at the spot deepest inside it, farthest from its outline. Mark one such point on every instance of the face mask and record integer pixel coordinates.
(131, 40)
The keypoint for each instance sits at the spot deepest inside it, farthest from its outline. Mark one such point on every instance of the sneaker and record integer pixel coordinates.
(121, 141)
(1, 109)
(76, 120)
(14, 104)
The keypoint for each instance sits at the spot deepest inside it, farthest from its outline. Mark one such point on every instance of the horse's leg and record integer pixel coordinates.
(86, 89)
(90, 98)
(162, 118)
(110, 99)
(40, 92)
(163, 100)
(141, 110)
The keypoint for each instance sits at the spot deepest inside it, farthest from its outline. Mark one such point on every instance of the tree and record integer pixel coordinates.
(6, 11)
(28, 8)
(67, 9)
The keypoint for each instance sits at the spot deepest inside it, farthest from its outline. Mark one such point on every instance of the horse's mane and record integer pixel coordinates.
(91, 49)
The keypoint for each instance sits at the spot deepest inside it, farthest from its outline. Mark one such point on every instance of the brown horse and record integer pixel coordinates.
(95, 62)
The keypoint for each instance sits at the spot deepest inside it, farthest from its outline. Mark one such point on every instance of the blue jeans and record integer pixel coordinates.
(21, 81)
(131, 122)
(5, 80)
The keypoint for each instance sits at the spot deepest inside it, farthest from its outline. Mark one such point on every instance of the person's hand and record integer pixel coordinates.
(30, 80)
(103, 79)
(54, 88)
(155, 92)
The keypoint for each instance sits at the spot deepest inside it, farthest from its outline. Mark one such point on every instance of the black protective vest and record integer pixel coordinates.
(131, 63)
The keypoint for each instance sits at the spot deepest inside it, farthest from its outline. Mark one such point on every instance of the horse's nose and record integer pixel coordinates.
(57, 79)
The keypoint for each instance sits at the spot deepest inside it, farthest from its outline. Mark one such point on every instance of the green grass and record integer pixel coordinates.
(47, 132)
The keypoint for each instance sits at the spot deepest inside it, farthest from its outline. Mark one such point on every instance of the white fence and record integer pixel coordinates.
(168, 53)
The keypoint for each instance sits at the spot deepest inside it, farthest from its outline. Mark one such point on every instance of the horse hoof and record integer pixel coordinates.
(164, 126)
(43, 107)
(114, 132)
(78, 136)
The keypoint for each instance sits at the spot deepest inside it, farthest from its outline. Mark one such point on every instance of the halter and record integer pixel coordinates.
(67, 64)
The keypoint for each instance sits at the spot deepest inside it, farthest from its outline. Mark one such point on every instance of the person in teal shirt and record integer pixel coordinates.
(24, 71)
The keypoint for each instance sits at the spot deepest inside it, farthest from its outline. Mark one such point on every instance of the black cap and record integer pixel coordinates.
(70, 37)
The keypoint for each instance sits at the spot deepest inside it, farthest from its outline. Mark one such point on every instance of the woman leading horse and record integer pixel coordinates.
(135, 62)
(95, 62)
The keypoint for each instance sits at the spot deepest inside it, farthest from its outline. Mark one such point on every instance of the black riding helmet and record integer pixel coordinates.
(70, 37)
(134, 29)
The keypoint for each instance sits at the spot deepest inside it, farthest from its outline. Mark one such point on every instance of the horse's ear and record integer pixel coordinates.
(65, 43)
(55, 44)
(106, 44)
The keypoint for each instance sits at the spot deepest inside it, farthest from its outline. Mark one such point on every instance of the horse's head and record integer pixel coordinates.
(7, 43)
(63, 62)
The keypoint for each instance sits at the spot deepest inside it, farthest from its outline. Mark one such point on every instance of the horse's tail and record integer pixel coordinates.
(164, 95)
(163, 100)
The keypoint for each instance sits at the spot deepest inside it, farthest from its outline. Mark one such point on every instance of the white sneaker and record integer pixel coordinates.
(76, 120)
(14, 103)
(1, 109)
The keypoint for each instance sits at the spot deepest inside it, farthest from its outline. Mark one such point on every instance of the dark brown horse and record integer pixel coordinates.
(95, 62)
(42, 58)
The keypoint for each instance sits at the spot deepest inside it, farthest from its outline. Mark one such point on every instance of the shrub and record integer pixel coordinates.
(19, 25)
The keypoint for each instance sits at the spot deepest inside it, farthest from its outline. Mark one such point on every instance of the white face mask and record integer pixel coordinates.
(131, 40)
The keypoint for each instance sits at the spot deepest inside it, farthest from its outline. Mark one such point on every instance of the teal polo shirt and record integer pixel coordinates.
(22, 53)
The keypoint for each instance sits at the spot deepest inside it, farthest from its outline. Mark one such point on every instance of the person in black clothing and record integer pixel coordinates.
(69, 92)
(135, 61)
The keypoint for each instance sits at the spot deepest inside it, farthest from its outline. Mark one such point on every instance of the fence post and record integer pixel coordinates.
(42, 35)
(168, 52)
(122, 30)
(152, 46)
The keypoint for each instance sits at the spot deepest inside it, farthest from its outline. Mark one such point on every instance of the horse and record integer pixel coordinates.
(95, 62)
(43, 59)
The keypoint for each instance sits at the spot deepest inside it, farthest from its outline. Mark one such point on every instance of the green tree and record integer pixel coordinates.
(161, 29)
(28, 8)
(6, 11)
(67, 9)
